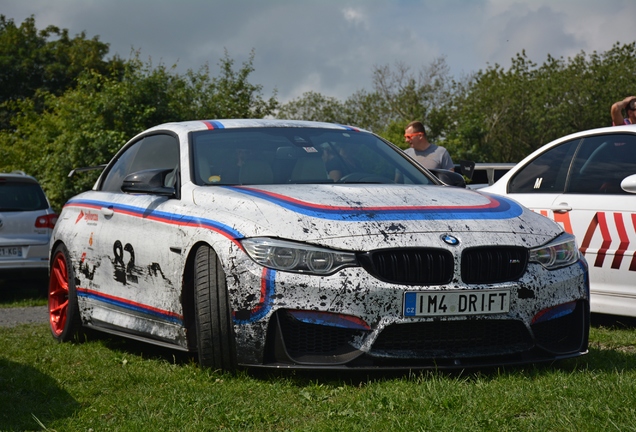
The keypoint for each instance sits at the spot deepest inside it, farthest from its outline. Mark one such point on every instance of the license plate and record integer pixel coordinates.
(442, 303)
(11, 252)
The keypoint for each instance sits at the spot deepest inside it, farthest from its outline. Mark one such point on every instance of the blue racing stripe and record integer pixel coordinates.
(498, 208)
(216, 124)
(130, 306)
(160, 216)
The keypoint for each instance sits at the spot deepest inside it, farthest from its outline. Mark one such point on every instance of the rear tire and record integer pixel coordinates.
(64, 316)
(216, 345)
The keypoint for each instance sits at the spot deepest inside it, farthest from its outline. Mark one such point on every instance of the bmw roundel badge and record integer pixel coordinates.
(450, 240)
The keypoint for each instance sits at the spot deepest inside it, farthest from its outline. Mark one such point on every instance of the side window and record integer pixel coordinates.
(547, 173)
(151, 152)
(601, 163)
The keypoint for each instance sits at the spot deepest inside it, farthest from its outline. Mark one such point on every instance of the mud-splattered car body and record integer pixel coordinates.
(245, 241)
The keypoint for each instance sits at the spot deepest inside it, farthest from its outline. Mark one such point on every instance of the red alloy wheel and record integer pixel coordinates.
(58, 294)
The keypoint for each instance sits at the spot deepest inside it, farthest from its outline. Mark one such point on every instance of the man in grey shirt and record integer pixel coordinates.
(428, 155)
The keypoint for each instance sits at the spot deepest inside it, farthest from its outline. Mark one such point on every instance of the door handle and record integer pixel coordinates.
(561, 208)
(107, 211)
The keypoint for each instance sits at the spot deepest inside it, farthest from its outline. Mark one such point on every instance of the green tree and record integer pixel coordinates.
(425, 96)
(86, 125)
(495, 113)
(231, 95)
(367, 110)
(504, 115)
(361, 109)
(398, 96)
(313, 106)
(45, 61)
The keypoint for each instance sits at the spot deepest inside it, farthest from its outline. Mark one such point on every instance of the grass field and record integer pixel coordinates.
(115, 384)
(108, 383)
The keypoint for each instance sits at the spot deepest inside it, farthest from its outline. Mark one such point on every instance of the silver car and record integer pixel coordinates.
(26, 224)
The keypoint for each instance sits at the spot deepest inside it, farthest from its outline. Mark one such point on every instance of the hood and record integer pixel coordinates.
(322, 212)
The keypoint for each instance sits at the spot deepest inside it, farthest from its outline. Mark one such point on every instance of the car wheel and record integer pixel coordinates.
(216, 346)
(64, 317)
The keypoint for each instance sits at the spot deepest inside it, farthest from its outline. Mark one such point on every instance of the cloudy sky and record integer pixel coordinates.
(332, 46)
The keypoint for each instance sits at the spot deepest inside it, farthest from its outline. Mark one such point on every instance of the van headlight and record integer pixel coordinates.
(297, 257)
(560, 252)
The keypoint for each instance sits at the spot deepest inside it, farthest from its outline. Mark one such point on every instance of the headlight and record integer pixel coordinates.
(296, 257)
(560, 252)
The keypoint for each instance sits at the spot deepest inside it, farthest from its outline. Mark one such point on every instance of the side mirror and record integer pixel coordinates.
(150, 181)
(629, 184)
(449, 178)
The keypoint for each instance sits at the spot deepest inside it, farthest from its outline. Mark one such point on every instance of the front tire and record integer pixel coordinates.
(64, 316)
(216, 345)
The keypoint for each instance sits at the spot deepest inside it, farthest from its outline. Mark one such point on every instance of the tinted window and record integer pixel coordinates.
(547, 173)
(601, 163)
(151, 152)
(297, 155)
(19, 196)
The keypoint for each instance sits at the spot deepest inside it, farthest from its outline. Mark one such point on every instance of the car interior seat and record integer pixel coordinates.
(309, 169)
(256, 171)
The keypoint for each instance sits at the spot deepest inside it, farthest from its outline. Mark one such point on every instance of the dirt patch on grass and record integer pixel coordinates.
(11, 317)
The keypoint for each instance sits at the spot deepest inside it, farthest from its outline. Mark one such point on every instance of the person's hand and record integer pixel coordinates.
(627, 100)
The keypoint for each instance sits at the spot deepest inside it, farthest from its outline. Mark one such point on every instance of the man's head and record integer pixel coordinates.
(630, 110)
(415, 135)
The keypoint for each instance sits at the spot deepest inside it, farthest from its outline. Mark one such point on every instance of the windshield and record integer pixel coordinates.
(298, 155)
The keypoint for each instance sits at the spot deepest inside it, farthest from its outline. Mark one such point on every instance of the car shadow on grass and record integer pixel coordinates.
(613, 321)
(599, 358)
(31, 400)
(23, 292)
(138, 348)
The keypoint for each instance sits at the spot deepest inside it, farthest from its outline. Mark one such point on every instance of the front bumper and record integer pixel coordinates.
(352, 320)
(426, 345)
